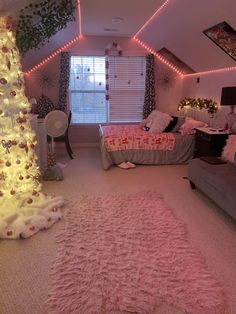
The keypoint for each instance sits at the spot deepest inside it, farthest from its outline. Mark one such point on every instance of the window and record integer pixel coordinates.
(126, 89)
(87, 90)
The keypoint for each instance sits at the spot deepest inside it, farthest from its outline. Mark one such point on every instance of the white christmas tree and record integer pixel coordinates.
(24, 210)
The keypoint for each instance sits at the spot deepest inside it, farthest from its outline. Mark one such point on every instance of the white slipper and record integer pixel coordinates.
(130, 164)
(124, 165)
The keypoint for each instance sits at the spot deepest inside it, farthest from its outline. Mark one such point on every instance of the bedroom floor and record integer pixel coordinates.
(25, 264)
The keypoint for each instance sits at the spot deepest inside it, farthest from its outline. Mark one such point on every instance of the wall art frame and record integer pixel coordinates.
(224, 36)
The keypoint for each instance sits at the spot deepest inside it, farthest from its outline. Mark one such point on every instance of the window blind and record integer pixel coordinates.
(126, 88)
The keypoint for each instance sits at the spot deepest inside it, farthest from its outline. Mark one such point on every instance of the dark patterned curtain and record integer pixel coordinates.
(149, 99)
(64, 80)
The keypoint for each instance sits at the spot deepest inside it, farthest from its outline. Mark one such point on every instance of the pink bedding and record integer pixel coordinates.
(123, 137)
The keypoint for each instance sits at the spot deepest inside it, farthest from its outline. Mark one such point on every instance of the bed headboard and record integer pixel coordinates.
(203, 115)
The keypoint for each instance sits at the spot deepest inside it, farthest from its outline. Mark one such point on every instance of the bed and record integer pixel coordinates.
(120, 143)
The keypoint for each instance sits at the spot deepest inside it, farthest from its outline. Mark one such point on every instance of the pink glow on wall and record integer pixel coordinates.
(211, 71)
(159, 56)
(151, 18)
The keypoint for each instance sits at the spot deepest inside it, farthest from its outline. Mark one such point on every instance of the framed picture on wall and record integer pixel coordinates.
(224, 36)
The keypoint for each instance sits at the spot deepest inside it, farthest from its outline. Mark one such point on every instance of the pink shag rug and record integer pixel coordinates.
(129, 253)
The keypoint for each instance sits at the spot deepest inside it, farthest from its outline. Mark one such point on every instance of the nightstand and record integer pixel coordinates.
(209, 142)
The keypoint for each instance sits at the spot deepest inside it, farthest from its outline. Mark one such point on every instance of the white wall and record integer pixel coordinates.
(169, 86)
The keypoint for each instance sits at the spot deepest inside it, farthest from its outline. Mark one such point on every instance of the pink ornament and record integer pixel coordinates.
(8, 163)
(22, 145)
(4, 49)
(13, 93)
(3, 81)
(24, 111)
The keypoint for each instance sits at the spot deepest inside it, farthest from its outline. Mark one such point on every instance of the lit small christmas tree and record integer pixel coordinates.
(24, 210)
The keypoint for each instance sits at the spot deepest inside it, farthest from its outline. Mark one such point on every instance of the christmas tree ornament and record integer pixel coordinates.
(24, 209)
(3, 81)
(4, 49)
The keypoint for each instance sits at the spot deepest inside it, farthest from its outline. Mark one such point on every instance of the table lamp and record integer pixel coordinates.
(228, 98)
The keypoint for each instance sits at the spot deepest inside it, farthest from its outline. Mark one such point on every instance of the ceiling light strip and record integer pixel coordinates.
(151, 18)
(211, 71)
(79, 14)
(159, 56)
(51, 56)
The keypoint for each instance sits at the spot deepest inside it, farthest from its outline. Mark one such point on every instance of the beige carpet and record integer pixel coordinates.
(25, 264)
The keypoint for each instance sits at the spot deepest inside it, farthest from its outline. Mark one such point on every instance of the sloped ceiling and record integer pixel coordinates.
(178, 27)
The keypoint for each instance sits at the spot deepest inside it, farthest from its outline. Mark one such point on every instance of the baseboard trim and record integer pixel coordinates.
(61, 144)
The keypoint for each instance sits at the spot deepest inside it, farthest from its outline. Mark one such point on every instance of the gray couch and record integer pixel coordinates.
(217, 181)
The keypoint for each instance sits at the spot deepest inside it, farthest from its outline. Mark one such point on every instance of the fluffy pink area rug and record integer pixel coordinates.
(129, 253)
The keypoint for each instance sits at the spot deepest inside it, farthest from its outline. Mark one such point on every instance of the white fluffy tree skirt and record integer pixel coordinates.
(19, 220)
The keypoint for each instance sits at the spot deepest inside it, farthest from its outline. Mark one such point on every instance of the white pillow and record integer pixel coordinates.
(229, 149)
(157, 121)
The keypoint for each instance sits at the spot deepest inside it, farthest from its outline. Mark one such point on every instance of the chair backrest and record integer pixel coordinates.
(69, 121)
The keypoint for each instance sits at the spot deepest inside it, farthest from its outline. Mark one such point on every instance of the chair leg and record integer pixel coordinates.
(193, 186)
(68, 148)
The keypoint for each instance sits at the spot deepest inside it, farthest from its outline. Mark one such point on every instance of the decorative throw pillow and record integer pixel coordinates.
(180, 122)
(174, 124)
(229, 150)
(189, 126)
(157, 121)
(171, 125)
(44, 106)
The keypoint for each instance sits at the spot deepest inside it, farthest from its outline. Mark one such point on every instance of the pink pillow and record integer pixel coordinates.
(196, 123)
(189, 126)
